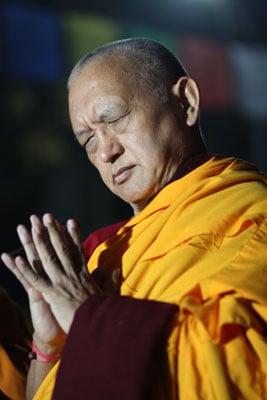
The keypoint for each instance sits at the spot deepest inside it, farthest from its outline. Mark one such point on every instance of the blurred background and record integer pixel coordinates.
(222, 43)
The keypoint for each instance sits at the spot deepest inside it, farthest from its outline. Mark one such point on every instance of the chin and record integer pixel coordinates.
(137, 203)
(134, 194)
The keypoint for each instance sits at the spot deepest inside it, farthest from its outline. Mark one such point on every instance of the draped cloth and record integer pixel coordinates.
(200, 244)
(14, 349)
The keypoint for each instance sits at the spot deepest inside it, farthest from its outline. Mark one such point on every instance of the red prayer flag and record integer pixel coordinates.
(208, 64)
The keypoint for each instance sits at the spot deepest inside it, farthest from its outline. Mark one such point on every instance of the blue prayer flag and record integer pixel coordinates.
(32, 43)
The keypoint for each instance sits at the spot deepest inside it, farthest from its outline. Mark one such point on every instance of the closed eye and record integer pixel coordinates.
(88, 140)
(117, 119)
(83, 136)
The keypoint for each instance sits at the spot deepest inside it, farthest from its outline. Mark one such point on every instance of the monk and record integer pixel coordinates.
(172, 303)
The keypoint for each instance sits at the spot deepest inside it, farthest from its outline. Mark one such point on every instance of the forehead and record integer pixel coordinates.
(102, 85)
(99, 78)
(106, 72)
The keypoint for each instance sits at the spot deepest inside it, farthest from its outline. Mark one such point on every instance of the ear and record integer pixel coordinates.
(187, 92)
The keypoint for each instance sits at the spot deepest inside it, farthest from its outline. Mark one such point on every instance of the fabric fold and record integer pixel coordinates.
(124, 348)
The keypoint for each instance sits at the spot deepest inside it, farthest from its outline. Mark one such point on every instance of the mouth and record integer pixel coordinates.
(122, 175)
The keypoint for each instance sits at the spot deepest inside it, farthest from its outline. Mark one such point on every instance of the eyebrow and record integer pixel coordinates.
(78, 134)
(108, 112)
(103, 116)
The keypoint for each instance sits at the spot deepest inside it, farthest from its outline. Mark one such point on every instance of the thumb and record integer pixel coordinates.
(34, 295)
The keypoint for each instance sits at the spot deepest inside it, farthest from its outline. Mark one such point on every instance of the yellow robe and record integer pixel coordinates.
(201, 243)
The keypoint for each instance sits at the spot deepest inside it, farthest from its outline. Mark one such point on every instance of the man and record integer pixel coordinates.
(175, 304)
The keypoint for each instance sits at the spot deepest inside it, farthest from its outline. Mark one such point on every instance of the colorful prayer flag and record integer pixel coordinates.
(249, 65)
(84, 32)
(32, 43)
(208, 63)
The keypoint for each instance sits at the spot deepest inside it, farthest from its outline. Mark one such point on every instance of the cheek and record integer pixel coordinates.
(148, 148)
(141, 142)
(105, 174)
(100, 167)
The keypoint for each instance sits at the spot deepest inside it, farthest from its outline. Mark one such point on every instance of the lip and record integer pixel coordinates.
(121, 175)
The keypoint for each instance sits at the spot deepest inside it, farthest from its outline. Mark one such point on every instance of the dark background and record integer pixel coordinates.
(43, 168)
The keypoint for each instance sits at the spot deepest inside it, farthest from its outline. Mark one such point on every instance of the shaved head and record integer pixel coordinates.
(143, 61)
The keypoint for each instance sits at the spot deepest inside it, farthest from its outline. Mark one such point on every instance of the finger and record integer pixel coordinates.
(12, 266)
(88, 282)
(29, 248)
(108, 280)
(47, 255)
(75, 241)
(37, 223)
(28, 277)
(35, 220)
(116, 278)
(74, 232)
(86, 278)
(60, 244)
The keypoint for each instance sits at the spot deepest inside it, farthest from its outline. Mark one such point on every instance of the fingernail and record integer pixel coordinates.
(4, 257)
(48, 218)
(70, 224)
(22, 232)
(116, 274)
(34, 219)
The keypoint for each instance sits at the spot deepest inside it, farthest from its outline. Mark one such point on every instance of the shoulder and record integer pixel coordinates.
(99, 236)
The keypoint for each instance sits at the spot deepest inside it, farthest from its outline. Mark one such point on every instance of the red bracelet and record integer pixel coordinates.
(45, 358)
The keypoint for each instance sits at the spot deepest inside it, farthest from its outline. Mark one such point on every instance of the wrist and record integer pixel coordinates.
(37, 355)
(49, 348)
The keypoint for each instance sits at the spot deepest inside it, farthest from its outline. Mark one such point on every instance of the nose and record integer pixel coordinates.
(110, 149)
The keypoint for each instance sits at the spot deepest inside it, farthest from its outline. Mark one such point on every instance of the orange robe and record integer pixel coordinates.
(12, 381)
(201, 244)
(14, 349)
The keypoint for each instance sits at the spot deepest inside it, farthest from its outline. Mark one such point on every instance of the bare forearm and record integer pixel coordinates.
(44, 357)
(37, 373)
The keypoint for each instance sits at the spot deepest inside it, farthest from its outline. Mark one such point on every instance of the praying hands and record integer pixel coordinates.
(54, 275)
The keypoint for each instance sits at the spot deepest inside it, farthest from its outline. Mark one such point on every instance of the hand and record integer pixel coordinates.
(54, 276)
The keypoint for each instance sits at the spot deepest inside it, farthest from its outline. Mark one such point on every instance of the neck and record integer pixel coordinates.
(189, 164)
